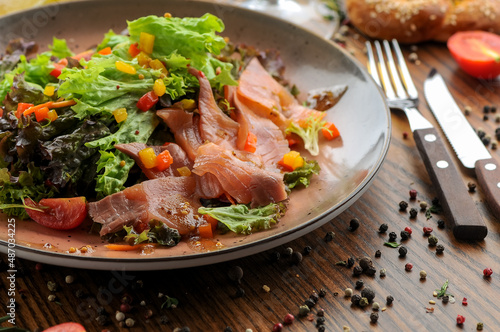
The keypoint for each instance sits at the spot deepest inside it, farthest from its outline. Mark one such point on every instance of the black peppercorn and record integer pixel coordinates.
(357, 270)
(486, 109)
(480, 132)
(435, 201)
(322, 292)
(320, 321)
(471, 186)
(365, 263)
(440, 223)
(439, 249)
(446, 299)
(413, 213)
(371, 271)
(389, 299)
(307, 250)
(392, 236)
(228, 329)
(329, 236)
(310, 302)
(355, 299)
(353, 224)
(486, 140)
(314, 296)
(368, 293)
(350, 262)
(296, 257)
(164, 321)
(378, 253)
(403, 206)
(359, 284)
(102, 320)
(383, 228)
(493, 109)
(275, 256)
(321, 328)
(288, 252)
(402, 251)
(374, 317)
(235, 273)
(404, 235)
(240, 292)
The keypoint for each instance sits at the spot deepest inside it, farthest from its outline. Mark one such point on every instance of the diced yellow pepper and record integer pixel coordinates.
(125, 67)
(293, 159)
(188, 104)
(143, 59)
(159, 87)
(157, 64)
(148, 157)
(49, 90)
(184, 171)
(120, 114)
(52, 115)
(146, 42)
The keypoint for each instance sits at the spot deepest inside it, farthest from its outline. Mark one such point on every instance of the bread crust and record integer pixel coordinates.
(414, 21)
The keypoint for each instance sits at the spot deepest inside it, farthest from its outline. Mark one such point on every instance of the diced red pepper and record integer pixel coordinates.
(21, 107)
(330, 131)
(134, 50)
(58, 67)
(147, 101)
(164, 160)
(105, 51)
(41, 113)
(250, 143)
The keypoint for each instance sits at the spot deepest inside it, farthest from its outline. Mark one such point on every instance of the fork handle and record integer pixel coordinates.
(453, 196)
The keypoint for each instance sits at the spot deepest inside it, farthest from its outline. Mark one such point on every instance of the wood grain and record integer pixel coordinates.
(206, 295)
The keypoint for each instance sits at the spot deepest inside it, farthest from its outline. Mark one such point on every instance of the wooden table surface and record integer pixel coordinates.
(209, 301)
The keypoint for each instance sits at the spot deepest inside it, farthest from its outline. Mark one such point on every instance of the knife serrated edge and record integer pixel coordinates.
(462, 137)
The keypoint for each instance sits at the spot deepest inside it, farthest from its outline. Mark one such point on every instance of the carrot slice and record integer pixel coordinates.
(205, 231)
(251, 143)
(330, 131)
(64, 103)
(127, 247)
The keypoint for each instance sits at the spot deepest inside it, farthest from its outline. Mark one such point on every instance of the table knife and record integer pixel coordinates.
(463, 139)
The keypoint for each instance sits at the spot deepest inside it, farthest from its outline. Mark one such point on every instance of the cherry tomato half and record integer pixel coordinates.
(66, 327)
(58, 213)
(476, 52)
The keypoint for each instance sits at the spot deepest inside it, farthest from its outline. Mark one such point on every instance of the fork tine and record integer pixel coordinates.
(372, 66)
(410, 87)
(400, 90)
(386, 80)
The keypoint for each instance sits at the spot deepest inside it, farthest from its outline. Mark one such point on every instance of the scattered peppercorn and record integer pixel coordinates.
(405, 135)
(439, 249)
(383, 273)
(486, 109)
(51, 298)
(440, 223)
(480, 132)
(383, 228)
(228, 329)
(374, 317)
(487, 272)
(368, 293)
(103, 320)
(321, 312)
(363, 302)
(304, 310)
(408, 266)
(355, 299)
(370, 271)
(494, 145)
(357, 270)
(288, 251)
(296, 257)
(359, 284)
(392, 237)
(348, 292)
(307, 250)
(310, 302)
(350, 262)
(493, 109)
(353, 224)
(389, 299)
(427, 230)
(486, 140)
(467, 110)
(471, 186)
(79, 293)
(423, 274)
(464, 301)
(320, 321)
(164, 320)
(289, 318)
(375, 306)
(322, 292)
(235, 273)
(403, 206)
(446, 298)
(404, 235)
(423, 205)
(119, 316)
(275, 256)
(365, 263)
(479, 326)
(378, 253)
(314, 296)
(432, 240)
(69, 279)
(413, 194)
(278, 327)
(329, 236)
(321, 328)
(460, 319)
(402, 251)
(240, 292)
(413, 213)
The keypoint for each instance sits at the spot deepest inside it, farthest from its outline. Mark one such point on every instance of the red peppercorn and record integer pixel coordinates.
(405, 135)
(289, 318)
(460, 319)
(427, 230)
(408, 229)
(39, 266)
(464, 301)
(408, 266)
(125, 307)
(413, 194)
(488, 272)
(277, 327)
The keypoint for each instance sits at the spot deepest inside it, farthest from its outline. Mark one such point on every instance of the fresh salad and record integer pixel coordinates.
(164, 132)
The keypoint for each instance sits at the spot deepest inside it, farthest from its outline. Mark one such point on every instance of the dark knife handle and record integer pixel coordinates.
(488, 176)
(453, 195)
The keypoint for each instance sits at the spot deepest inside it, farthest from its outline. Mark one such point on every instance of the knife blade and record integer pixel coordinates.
(463, 139)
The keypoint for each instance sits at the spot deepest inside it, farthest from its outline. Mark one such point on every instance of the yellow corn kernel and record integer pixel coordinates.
(148, 157)
(146, 42)
(167, 15)
(52, 115)
(125, 67)
(157, 64)
(49, 90)
(120, 114)
(188, 104)
(159, 87)
(184, 171)
(143, 59)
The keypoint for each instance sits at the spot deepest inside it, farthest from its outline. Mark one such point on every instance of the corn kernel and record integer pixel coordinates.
(49, 90)
(120, 114)
(125, 67)
(143, 59)
(72, 250)
(52, 115)
(148, 157)
(184, 171)
(159, 87)
(146, 42)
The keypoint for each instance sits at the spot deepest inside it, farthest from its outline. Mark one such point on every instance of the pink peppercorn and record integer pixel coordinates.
(39, 266)
(277, 327)
(427, 230)
(413, 194)
(460, 319)
(289, 318)
(487, 272)
(408, 266)
(408, 229)
(125, 307)
(464, 301)
(405, 135)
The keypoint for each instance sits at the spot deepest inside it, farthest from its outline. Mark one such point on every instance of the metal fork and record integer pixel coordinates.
(402, 94)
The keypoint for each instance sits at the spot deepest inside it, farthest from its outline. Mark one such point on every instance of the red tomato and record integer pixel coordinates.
(66, 327)
(476, 52)
(58, 213)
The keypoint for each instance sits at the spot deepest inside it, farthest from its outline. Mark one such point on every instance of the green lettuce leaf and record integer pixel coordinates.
(60, 49)
(157, 233)
(308, 133)
(242, 220)
(302, 175)
(111, 39)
